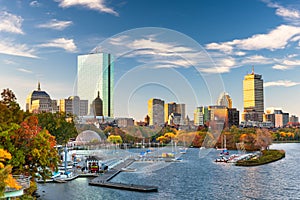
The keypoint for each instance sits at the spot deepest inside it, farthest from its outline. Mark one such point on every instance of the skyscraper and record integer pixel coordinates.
(253, 91)
(156, 111)
(225, 100)
(96, 73)
(174, 108)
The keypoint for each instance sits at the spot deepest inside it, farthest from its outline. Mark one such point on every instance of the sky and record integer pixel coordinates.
(180, 51)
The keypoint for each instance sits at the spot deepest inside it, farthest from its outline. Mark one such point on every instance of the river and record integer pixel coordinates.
(194, 178)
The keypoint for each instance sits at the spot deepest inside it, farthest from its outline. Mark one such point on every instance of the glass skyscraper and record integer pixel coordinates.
(96, 74)
(253, 90)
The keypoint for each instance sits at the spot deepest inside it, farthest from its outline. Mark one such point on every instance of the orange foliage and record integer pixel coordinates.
(8, 180)
(12, 183)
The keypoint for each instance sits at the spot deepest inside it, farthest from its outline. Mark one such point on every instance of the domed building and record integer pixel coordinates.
(87, 136)
(38, 101)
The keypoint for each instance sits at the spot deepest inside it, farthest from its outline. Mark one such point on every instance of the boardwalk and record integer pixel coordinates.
(103, 179)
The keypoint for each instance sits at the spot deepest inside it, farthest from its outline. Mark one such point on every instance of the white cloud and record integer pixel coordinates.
(282, 67)
(25, 70)
(9, 62)
(55, 24)
(257, 59)
(224, 47)
(215, 70)
(10, 48)
(292, 62)
(35, 4)
(98, 5)
(67, 44)
(240, 53)
(292, 55)
(275, 39)
(10, 23)
(286, 13)
(285, 83)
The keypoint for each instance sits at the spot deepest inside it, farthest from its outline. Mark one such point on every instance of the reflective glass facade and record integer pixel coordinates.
(253, 97)
(96, 73)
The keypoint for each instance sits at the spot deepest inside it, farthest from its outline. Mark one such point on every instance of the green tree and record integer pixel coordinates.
(59, 124)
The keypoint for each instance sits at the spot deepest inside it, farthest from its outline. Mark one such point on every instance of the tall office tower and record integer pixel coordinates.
(96, 73)
(225, 100)
(156, 111)
(198, 116)
(169, 108)
(174, 108)
(253, 91)
(180, 109)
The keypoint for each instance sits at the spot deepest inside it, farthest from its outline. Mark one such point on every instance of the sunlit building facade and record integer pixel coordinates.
(156, 112)
(38, 101)
(253, 92)
(174, 108)
(225, 100)
(96, 73)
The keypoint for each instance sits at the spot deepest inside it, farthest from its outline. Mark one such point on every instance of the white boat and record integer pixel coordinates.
(127, 169)
(177, 160)
(182, 150)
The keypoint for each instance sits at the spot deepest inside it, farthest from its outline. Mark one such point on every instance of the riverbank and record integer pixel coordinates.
(267, 156)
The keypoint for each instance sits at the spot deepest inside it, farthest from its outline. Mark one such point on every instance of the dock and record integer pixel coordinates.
(103, 180)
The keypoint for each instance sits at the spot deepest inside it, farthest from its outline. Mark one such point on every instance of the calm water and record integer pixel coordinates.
(195, 178)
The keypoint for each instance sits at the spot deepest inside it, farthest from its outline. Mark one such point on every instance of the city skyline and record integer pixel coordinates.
(41, 42)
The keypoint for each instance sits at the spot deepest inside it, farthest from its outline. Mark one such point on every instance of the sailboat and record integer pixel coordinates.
(183, 149)
(224, 149)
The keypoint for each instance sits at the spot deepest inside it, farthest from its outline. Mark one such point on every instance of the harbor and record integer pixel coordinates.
(103, 179)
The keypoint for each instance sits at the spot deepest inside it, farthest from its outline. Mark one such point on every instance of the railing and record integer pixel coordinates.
(23, 181)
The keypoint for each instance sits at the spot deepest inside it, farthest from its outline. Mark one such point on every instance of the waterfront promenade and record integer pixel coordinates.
(103, 179)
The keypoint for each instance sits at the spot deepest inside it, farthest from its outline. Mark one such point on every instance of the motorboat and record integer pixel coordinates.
(127, 169)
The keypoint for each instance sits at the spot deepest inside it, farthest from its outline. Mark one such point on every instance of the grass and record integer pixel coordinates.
(267, 156)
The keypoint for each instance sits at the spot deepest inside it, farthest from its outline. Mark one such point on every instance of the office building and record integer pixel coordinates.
(225, 100)
(96, 73)
(176, 109)
(156, 112)
(277, 117)
(74, 105)
(253, 93)
(198, 116)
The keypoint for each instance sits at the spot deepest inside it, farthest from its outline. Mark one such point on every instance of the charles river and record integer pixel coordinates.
(194, 178)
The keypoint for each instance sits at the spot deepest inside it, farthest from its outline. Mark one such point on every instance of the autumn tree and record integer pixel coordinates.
(6, 178)
(115, 139)
(32, 148)
(263, 138)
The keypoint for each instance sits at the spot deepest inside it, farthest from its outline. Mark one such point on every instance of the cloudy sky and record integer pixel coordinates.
(192, 50)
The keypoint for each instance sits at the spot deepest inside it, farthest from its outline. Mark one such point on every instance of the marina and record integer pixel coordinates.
(194, 178)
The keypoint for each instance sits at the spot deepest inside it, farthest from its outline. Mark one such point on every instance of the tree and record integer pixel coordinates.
(263, 138)
(10, 111)
(58, 126)
(6, 179)
(115, 139)
(32, 148)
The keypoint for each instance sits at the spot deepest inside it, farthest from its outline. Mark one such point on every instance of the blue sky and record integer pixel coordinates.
(193, 50)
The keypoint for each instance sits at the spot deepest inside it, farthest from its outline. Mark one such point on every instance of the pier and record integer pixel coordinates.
(103, 180)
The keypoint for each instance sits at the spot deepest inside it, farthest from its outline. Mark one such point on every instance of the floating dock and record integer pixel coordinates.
(102, 180)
